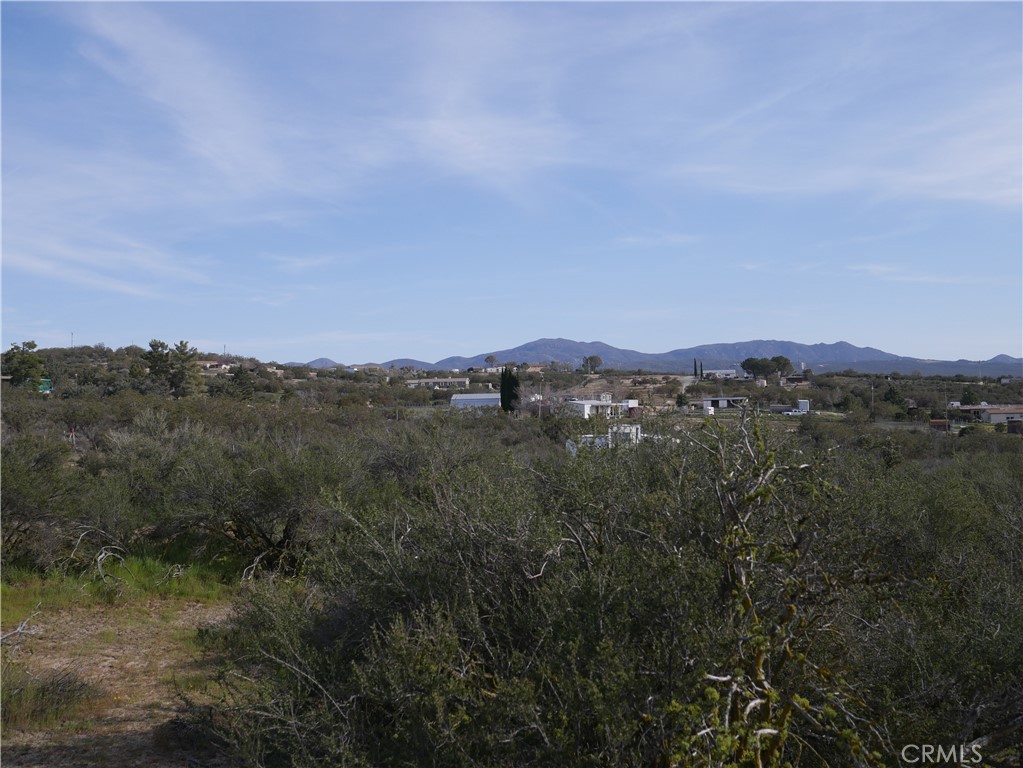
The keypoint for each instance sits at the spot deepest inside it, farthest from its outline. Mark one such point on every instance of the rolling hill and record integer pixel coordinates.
(820, 357)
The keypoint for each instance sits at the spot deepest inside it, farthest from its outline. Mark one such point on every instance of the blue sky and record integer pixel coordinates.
(366, 181)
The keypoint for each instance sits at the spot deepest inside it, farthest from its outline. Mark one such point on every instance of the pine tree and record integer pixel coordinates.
(23, 364)
(184, 377)
(157, 358)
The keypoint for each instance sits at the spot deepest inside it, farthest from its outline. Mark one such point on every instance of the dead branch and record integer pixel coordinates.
(24, 629)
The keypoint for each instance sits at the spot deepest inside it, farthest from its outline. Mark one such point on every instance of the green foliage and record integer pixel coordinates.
(77, 581)
(175, 367)
(451, 588)
(782, 364)
(893, 396)
(509, 390)
(158, 359)
(657, 605)
(37, 491)
(23, 364)
(762, 367)
(34, 702)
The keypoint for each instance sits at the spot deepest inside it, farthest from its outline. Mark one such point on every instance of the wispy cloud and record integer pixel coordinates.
(212, 107)
(301, 263)
(495, 150)
(81, 277)
(661, 239)
(482, 104)
(888, 119)
(72, 219)
(895, 274)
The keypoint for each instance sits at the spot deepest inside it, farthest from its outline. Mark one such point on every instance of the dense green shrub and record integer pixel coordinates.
(713, 601)
(457, 589)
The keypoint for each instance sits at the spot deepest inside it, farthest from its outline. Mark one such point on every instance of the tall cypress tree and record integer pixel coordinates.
(509, 390)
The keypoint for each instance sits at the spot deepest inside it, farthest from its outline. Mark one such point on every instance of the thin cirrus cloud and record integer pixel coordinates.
(70, 220)
(894, 118)
(482, 97)
(900, 274)
(919, 156)
(661, 239)
(489, 97)
(301, 263)
(83, 277)
(210, 105)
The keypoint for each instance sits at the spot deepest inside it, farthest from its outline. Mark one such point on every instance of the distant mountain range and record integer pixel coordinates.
(820, 357)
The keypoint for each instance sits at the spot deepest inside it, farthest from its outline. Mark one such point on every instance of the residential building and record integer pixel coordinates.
(1002, 414)
(723, 401)
(993, 414)
(605, 406)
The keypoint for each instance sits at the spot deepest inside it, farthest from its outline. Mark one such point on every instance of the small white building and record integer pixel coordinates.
(721, 373)
(605, 406)
(485, 400)
(722, 401)
(1002, 414)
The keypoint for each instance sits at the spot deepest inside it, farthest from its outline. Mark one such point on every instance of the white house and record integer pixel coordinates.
(603, 407)
(721, 373)
(1002, 414)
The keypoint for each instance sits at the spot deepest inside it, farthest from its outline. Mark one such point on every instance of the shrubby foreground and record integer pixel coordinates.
(456, 590)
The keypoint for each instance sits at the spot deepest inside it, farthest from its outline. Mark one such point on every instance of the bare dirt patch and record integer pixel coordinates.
(138, 655)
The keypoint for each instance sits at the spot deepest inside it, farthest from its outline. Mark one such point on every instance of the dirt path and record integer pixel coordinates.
(136, 654)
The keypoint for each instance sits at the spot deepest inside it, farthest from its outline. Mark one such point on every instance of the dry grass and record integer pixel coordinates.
(32, 702)
(120, 668)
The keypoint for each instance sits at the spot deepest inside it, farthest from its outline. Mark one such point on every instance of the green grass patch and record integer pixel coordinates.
(150, 576)
(22, 591)
(42, 701)
(189, 682)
